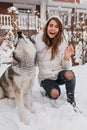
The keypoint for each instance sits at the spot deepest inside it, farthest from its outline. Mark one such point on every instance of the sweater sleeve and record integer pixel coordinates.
(39, 44)
(67, 64)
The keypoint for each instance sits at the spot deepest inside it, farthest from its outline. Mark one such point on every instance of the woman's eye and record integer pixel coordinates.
(50, 25)
(57, 26)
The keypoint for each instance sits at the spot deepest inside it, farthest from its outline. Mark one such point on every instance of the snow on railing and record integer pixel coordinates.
(33, 23)
(5, 21)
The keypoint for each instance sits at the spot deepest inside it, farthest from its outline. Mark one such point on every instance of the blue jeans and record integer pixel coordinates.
(49, 84)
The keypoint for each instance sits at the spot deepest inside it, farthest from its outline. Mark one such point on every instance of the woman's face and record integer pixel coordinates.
(52, 29)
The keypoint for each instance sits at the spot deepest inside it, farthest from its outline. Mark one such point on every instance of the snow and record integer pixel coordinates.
(83, 1)
(47, 114)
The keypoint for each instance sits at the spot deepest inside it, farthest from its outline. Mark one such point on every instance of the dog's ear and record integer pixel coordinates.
(20, 34)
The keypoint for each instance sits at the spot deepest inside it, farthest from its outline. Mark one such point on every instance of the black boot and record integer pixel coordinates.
(71, 99)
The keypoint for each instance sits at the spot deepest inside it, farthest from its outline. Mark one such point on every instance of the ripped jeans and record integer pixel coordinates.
(49, 84)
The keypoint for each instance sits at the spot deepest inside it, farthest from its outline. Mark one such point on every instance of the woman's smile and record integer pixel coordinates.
(52, 29)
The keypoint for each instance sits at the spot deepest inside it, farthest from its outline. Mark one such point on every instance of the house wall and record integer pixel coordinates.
(4, 6)
(71, 1)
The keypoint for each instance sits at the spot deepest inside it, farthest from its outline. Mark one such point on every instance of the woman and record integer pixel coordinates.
(54, 60)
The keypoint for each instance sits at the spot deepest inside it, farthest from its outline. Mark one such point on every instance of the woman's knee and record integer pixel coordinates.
(69, 75)
(54, 93)
(51, 88)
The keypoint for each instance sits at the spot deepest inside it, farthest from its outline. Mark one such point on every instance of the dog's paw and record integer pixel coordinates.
(25, 121)
(32, 110)
(1, 93)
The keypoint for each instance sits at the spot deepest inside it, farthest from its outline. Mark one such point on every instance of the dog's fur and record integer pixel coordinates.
(18, 79)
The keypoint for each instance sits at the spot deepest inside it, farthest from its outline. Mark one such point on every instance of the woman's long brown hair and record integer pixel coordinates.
(56, 41)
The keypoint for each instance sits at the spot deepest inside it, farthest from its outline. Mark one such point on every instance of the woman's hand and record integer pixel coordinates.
(68, 52)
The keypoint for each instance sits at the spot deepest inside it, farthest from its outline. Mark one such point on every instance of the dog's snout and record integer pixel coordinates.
(13, 54)
(20, 34)
(35, 60)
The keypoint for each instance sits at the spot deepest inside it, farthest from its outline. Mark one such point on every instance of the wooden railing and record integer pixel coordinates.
(23, 22)
(5, 21)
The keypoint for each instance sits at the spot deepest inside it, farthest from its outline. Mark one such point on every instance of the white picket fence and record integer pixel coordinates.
(23, 22)
(5, 21)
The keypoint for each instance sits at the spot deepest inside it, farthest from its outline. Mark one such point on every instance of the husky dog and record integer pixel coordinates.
(18, 79)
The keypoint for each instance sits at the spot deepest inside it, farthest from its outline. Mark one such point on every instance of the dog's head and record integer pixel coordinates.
(25, 51)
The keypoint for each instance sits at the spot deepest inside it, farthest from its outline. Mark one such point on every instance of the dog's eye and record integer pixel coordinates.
(16, 43)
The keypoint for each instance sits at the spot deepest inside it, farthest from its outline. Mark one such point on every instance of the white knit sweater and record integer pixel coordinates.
(49, 69)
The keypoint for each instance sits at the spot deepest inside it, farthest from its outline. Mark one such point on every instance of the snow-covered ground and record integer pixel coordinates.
(46, 114)
(83, 1)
